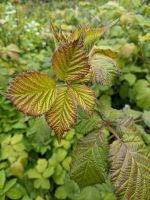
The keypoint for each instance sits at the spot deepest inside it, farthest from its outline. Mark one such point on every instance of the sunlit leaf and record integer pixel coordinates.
(32, 93)
(84, 96)
(105, 51)
(58, 34)
(63, 113)
(91, 35)
(70, 61)
(89, 165)
(130, 168)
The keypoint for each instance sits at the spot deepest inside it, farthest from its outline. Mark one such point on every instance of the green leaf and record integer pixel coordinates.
(16, 192)
(89, 165)
(17, 169)
(66, 163)
(32, 93)
(146, 117)
(60, 155)
(2, 178)
(86, 124)
(70, 61)
(41, 165)
(141, 93)
(33, 173)
(104, 69)
(88, 193)
(9, 184)
(16, 139)
(145, 37)
(48, 172)
(130, 168)
(42, 183)
(130, 78)
(63, 113)
(84, 96)
(60, 193)
(106, 191)
(39, 131)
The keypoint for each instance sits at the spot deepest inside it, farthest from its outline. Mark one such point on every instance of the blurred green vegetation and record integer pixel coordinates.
(32, 164)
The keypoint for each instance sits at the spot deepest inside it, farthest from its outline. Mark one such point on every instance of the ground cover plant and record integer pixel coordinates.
(33, 165)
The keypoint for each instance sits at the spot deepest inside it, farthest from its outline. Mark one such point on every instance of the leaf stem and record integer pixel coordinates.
(113, 132)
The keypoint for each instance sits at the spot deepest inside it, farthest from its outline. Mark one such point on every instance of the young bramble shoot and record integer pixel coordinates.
(114, 148)
(35, 93)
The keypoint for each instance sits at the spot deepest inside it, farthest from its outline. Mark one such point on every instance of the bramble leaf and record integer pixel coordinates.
(104, 51)
(63, 113)
(84, 96)
(104, 68)
(58, 34)
(89, 165)
(70, 61)
(32, 93)
(90, 35)
(130, 168)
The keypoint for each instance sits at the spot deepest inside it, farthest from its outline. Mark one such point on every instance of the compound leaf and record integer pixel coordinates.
(63, 113)
(70, 61)
(32, 93)
(89, 165)
(130, 168)
(84, 96)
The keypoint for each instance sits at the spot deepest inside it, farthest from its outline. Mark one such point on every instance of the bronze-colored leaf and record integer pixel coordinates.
(70, 61)
(63, 113)
(32, 93)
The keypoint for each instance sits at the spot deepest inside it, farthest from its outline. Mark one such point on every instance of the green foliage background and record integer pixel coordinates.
(32, 164)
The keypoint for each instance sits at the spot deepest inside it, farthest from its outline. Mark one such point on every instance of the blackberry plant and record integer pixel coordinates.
(114, 147)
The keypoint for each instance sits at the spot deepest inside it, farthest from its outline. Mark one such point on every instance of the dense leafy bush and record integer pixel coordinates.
(33, 165)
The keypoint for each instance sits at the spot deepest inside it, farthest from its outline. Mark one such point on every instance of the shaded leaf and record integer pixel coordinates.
(130, 168)
(130, 78)
(63, 113)
(9, 184)
(86, 124)
(32, 93)
(70, 61)
(2, 178)
(84, 96)
(146, 117)
(16, 192)
(89, 165)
